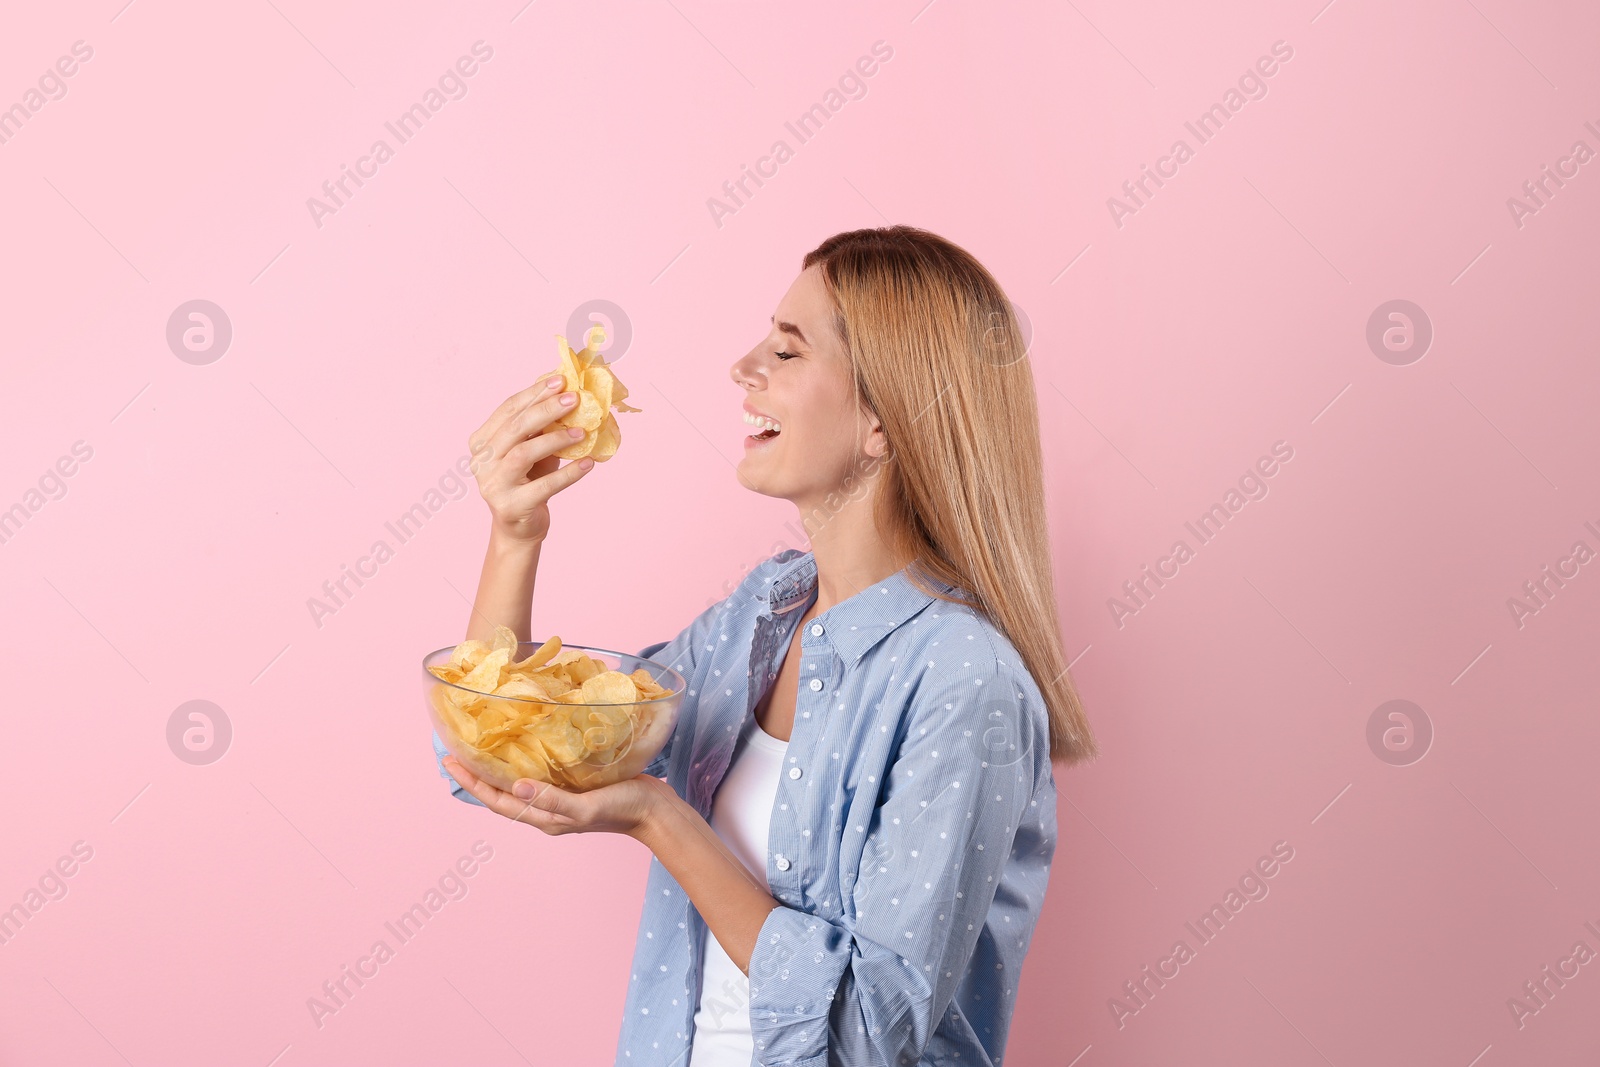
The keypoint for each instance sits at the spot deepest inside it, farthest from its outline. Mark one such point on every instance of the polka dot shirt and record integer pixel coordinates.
(911, 837)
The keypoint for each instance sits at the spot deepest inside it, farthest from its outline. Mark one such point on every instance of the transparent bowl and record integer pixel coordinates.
(618, 740)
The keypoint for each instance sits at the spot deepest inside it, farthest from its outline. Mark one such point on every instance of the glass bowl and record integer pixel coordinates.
(577, 747)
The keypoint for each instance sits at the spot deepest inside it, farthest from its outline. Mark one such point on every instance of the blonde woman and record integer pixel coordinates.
(856, 814)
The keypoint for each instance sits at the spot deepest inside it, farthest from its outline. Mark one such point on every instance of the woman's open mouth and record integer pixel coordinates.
(768, 429)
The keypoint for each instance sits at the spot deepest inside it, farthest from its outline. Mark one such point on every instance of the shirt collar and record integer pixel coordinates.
(858, 622)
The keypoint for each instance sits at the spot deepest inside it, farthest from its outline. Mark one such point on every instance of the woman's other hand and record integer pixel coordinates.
(624, 807)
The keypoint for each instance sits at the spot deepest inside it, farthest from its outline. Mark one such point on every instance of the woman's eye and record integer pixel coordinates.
(785, 355)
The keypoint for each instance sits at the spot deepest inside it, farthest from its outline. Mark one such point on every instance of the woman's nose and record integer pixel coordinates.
(743, 373)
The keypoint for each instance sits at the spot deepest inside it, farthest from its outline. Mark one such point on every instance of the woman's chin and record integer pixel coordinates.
(752, 480)
(754, 474)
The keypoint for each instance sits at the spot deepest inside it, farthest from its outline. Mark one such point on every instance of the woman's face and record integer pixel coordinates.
(799, 376)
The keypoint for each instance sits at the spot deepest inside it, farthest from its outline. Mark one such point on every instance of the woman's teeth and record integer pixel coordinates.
(769, 427)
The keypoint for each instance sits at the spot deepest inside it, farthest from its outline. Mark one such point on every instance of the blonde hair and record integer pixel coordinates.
(937, 355)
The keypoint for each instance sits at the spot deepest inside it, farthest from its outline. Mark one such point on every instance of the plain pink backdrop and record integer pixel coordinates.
(1170, 352)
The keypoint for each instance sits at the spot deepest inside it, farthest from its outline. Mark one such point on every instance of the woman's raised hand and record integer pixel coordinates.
(513, 458)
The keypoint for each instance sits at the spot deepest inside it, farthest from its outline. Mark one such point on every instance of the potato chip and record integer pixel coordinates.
(523, 687)
(485, 677)
(493, 765)
(558, 716)
(490, 717)
(570, 366)
(585, 373)
(600, 738)
(611, 715)
(504, 637)
(647, 685)
(509, 730)
(468, 654)
(581, 670)
(453, 714)
(563, 742)
(527, 757)
(609, 687)
(546, 652)
(606, 438)
(598, 380)
(462, 700)
(616, 391)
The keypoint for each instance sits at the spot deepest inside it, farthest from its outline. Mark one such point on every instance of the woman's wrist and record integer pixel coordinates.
(659, 811)
(505, 585)
(503, 544)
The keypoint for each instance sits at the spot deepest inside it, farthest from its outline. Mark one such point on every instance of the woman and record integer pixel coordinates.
(862, 819)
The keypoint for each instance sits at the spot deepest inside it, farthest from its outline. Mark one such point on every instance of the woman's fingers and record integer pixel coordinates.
(464, 778)
(621, 807)
(550, 800)
(531, 420)
(534, 812)
(523, 456)
(532, 493)
(509, 407)
(469, 781)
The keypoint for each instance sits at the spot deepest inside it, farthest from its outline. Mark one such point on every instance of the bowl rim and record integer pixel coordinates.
(677, 691)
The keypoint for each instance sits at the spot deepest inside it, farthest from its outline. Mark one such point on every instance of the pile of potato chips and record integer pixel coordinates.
(585, 373)
(558, 716)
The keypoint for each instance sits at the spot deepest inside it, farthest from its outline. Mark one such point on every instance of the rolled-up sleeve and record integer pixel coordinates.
(871, 986)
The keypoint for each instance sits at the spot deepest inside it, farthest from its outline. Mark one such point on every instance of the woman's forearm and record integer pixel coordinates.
(505, 588)
(732, 900)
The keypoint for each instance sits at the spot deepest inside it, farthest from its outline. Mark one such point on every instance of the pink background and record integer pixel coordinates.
(1225, 315)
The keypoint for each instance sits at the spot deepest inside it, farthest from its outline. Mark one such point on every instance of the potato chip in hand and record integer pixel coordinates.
(585, 373)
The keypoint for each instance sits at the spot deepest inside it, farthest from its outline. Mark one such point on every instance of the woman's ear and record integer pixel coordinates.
(877, 440)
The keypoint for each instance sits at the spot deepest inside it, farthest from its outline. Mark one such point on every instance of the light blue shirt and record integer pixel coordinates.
(910, 842)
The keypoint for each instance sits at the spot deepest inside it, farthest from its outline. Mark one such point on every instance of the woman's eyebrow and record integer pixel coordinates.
(790, 328)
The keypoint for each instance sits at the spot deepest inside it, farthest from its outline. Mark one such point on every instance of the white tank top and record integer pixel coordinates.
(741, 812)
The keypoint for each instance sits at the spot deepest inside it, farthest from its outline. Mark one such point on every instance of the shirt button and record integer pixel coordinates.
(794, 772)
(816, 683)
(816, 629)
(781, 862)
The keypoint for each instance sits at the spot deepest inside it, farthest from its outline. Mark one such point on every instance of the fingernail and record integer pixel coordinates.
(569, 399)
(573, 431)
(553, 383)
(524, 789)
(585, 463)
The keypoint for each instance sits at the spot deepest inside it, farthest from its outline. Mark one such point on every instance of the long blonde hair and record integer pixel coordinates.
(937, 354)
